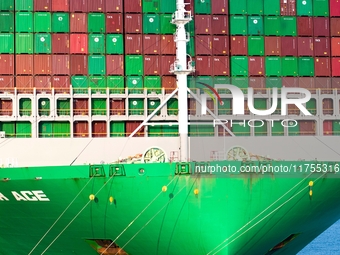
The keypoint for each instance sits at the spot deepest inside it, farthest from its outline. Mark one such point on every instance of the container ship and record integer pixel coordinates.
(105, 147)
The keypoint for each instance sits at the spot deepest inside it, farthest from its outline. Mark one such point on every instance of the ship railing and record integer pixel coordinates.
(181, 16)
(6, 112)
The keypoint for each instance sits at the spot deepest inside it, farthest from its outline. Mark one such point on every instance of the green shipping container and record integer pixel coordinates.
(293, 130)
(24, 43)
(98, 106)
(255, 7)
(44, 107)
(304, 7)
(23, 22)
(97, 65)
(61, 129)
(289, 66)
(153, 84)
(117, 129)
(63, 107)
(288, 26)
(167, 6)
(151, 24)
(170, 130)
(172, 106)
(42, 22)
(80, 84)
(23, 5)
(96, 23)
(311, 106)
(239, 66)
(6, 43)
(271, 7)
(114, 44)
(134, 65)
(202, 7)
(260, 128)
(8, 128)
(237, 6)
(306, 66)
(45, 129)
(7, 5)
(225, 108)
(238, 25)
(6, 22)
(273, 82)
(191, 46)
(152, 105)
(240, 129)
(336, 127)
(255, 25)
(115, 84)
(96, 44)
(25, 107)
(135, 84)
(277, 129)
(136, 106)
(42, 43)
(201, 130)
(320, 8)
(273, 66)
(151, 6)
(272, 25)
(190, 28)
(221, 80)
(60, 22)
(23, 129)
(166, 26)
(255, 45)
(240, 82)
(97, 84)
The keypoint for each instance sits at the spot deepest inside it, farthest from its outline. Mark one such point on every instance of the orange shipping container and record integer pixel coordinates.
(7, 84)
(61, 84)
(42, 64)
(24, 84)
(61, 64)
(6, 64)
(24, 64)
(42, 84)
(169, 83)
(81, 129)
(6, 107)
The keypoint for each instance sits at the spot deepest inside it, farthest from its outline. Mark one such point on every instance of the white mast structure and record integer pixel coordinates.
(181, 68)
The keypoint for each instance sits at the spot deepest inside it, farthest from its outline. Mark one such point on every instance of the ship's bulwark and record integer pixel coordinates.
(246, 213)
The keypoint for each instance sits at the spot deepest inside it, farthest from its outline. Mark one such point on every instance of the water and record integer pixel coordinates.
(328, 243)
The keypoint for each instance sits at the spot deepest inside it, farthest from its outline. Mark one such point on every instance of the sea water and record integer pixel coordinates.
(328, 243)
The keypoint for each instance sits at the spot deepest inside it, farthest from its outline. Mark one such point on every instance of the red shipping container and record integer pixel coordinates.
(336, 84)
(114, 23)
(203, 44)
(307, 83)
(258, 84)
(305, 46)
(324, 84)
(192, 106)
(42, 64)
(60, 43)
(151, 44)
(203, 24)
(221, 65)
(256, 66)
(321, 26)
(290, 82)
(133, 23)
(336, 66)
(24, 64)
(114, 6)
(42, 5)
(131, 126)
(81, 128)
(334, 6)
(80, 106)
(115, 65)
(220, 45)
(78, 43)
(152, 65)
(60, 6)
(322, 66)
(328, 127)
(305, 26)
(321, 46)
(133, 44)
(61, 64)
(99, 129)
(42, 84)
(7, 83)
(78, 64)
(78, 23)
(288, 46)
(219, 25)
(189, 5)
(24, 84)
(272, 45)
(166, 62)
(335, 26)
(219, 7)
(327, 106)
(6, 64)
(61, 84)
(78, 5)
(6, 106)
(117, 107)
(133, 6)
(203, 65)
(335, 50)
(168, 46)
(307, 127)
(169, 83)
(239, 45)
(288, 7)
(96, 6)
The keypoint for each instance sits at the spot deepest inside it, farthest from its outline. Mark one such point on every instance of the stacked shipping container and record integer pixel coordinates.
(106, 46)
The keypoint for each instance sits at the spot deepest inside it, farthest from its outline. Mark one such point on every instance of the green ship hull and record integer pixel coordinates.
(165, 208)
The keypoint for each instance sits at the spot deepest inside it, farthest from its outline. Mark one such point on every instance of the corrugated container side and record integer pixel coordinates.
(42, 64)
(204, 65)
(60, 6)
(321, 26)
(23, 22)
(220, 45)
(288, 7)
(99, 129)
(334, 8)
(305, 46)
(115, 65)
(24, 5)
(324, 84)
(221, 65)
(152, 65)
(203, 24)
(336, 66)
(79, 43)
(42, 22)
(6, 107)
(219, 7)
(7, 84)
(321, 46)
(322, 66)
(60, 44)
(7, 5)
(169, 84)
(166, 62)
(237, 6)
(133, 6)
(272, 46)
(335, 83)
(60, 64)
(151, 23)
(203, 45)
(42, 83)
(151, 44)
(78, 23)
(80, 129)
(238, 25)
(335, 50)
(239, 45)
(79, 5)
(168, 46)
(96, 44)
(80, 106)
(117, 107)
(328, 127)
(96, 23)
(24, 64)
(307, 127)
(114, 23)
(42, 43)
(131, 126)
(6, 22)
(133, 23)
(114, 44)
(7, 43)
(327, 106)
(114, 6)
(24, 84)
(256, 66)
(335, 26)
(289, 46)
(6, 64)
(305, 26)
(133, 44)
(78, 64)
(219, 25)
(60, 22)
(96, 6)
(61, 84)
(258, 84)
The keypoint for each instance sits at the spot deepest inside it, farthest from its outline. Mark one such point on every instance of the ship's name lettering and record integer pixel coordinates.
(26, 195)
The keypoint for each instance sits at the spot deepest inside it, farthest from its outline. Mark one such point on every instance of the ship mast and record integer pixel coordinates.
(181, 68)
